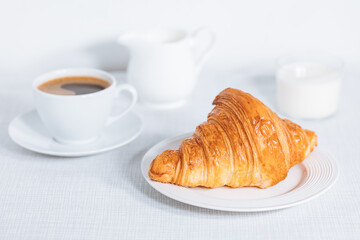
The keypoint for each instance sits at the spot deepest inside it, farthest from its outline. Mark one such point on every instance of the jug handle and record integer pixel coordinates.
(204, 53)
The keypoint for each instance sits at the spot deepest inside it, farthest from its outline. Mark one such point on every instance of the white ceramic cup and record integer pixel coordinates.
(79, 119)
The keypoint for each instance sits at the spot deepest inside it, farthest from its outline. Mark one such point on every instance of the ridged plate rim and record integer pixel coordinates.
(321, 174)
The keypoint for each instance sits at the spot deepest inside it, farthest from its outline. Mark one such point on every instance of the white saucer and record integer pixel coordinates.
(28, 131)
(305, 181)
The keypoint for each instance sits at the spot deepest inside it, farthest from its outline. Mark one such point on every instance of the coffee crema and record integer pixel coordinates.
(74, 85)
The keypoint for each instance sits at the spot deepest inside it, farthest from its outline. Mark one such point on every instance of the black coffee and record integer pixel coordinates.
(76, 85)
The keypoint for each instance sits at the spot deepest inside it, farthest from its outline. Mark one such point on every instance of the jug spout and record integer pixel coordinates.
(125, 39)
(152, 37)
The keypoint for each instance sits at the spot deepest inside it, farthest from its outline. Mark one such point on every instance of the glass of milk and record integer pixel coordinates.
(308, 85)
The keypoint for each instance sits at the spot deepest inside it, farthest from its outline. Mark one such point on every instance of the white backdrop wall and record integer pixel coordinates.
(42, 35)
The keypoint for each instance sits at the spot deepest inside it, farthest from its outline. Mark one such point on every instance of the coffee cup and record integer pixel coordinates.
(78, 118)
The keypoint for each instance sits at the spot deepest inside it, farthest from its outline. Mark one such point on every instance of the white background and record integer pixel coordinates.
(104, 196)
(42, 35)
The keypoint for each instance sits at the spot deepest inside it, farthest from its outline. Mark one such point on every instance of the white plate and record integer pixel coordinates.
(305, 181)
(28, 131)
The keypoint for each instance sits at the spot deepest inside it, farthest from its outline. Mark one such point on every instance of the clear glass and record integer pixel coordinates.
(308, 85)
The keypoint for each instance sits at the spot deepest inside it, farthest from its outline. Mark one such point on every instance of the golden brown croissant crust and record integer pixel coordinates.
(242, 143)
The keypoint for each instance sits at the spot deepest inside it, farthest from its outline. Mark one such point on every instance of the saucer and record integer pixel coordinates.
(28, 131)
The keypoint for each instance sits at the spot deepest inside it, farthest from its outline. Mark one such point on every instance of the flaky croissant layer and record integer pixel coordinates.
(242, 143)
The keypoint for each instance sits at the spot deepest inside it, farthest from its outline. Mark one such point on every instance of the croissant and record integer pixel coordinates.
(242, 143)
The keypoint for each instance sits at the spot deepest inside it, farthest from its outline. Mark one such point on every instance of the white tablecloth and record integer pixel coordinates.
(105, 197)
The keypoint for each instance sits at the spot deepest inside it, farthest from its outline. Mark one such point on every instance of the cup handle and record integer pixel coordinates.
(204, 54)
(132, 91)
